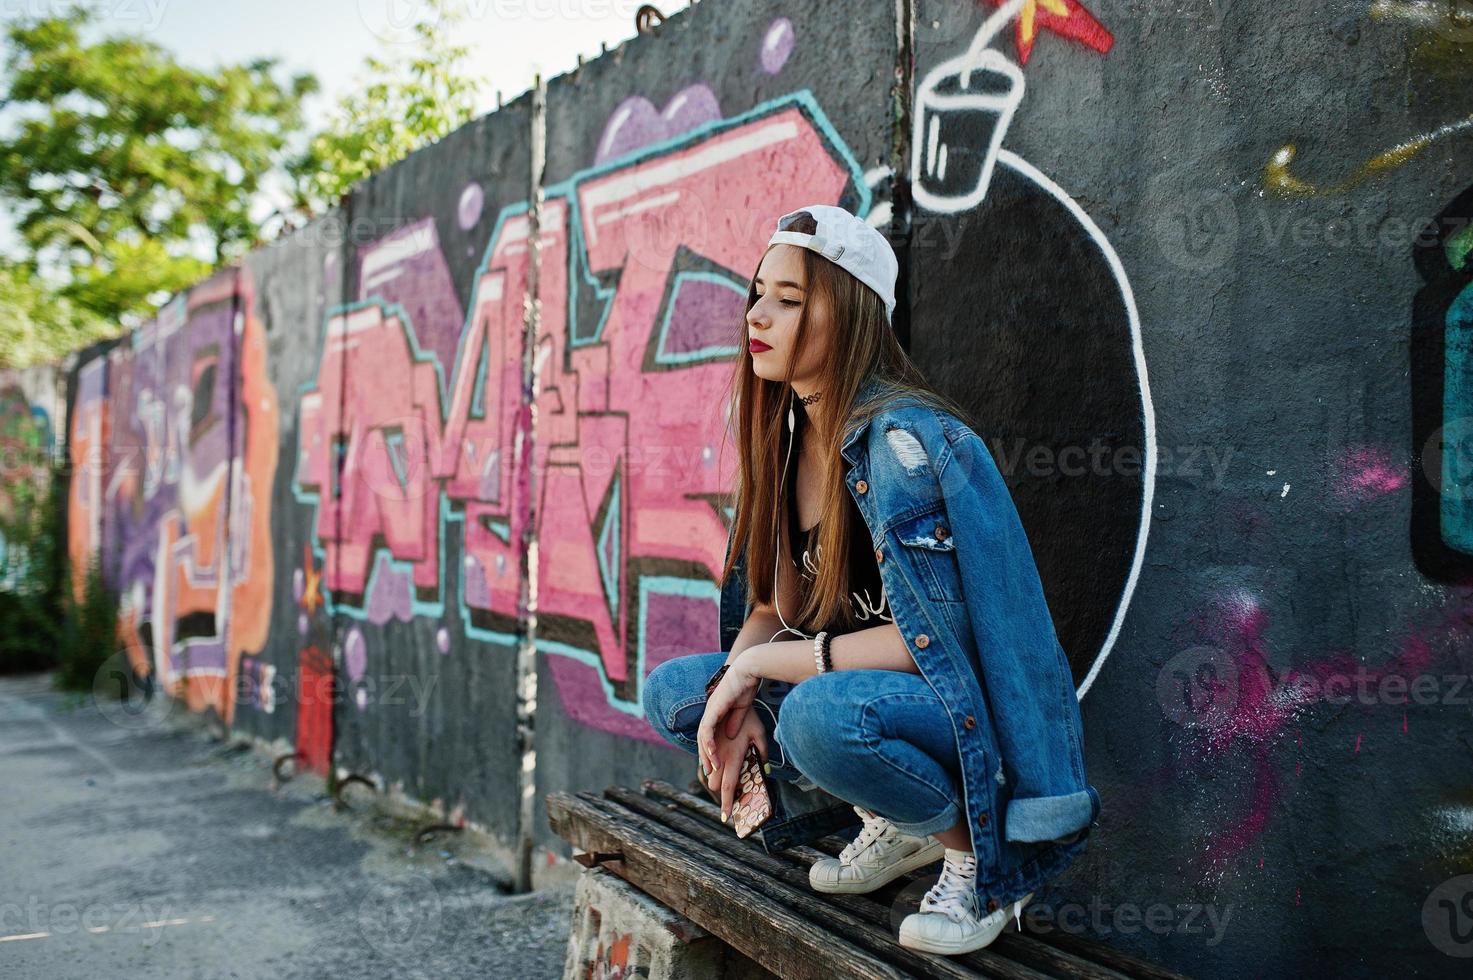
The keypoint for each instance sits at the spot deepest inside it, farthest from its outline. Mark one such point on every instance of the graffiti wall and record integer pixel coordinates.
(173, 447)
(665, 173)
(1216, 336)
(31, 402)
(407, 473)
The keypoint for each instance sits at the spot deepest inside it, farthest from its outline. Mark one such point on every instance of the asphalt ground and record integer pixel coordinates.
(134, 847)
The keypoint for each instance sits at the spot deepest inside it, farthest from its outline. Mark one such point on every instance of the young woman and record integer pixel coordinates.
(854, 713)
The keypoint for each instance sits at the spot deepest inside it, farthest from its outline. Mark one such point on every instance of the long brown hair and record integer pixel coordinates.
(863, 346)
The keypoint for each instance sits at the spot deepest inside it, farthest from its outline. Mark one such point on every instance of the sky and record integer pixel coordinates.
(509, 39)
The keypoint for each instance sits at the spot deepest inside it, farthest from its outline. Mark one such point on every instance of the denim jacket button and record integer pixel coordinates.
(970, 722)
(879, 555)
(922, 640)
(862, 487)
(992, 905)
(941, 532)
(982, 819)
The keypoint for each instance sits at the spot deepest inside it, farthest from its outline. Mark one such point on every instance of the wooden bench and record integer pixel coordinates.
(672, 846)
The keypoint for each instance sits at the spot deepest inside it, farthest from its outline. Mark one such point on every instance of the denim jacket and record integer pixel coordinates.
(965, 594)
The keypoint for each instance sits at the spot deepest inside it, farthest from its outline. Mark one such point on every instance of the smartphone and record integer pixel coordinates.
(753, 805)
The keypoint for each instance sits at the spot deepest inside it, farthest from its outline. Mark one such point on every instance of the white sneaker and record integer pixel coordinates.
(949, 920)
(880, 854)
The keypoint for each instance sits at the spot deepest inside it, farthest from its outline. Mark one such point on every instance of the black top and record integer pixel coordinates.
(866, 592)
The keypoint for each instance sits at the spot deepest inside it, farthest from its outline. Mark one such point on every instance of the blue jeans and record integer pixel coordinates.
(876, 738)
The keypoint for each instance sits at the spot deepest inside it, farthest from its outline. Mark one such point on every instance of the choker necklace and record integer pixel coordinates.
(810, 399)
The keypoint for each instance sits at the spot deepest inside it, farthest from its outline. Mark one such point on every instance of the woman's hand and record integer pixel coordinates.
(726, 722)
(730, 701)
(724, 780)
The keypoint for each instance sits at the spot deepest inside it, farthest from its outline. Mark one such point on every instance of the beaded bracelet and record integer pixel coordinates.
(820, 652)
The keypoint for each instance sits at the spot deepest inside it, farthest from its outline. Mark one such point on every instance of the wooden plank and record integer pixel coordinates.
(1012, 948)
(742, 917)
(850, 915)
(1125, 963)
(780, 866)
(828, 846)
(1023, 948)
(823, 915)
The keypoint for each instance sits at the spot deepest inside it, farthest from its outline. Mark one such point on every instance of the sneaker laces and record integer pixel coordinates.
(875, 827)
(954, 894)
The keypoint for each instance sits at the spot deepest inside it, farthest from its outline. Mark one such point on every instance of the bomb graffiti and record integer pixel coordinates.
(1076, 335)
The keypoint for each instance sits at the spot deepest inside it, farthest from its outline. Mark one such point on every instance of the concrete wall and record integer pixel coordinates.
(1198, 269)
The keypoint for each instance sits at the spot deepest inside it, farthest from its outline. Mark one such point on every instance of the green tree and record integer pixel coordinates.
(87, 633)
(406, 98)
(32, 572)
(36, 325)
(128, 173)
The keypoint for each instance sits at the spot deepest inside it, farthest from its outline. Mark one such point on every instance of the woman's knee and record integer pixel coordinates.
(819, 720)
(673, 682)
(832, 717)
(660, 687)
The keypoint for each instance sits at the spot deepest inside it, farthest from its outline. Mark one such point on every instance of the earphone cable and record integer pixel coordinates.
(776, 541)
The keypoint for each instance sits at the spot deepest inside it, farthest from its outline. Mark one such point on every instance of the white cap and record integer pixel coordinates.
(849, 243)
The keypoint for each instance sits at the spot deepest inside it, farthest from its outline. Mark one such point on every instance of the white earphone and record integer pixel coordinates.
(776, 542)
